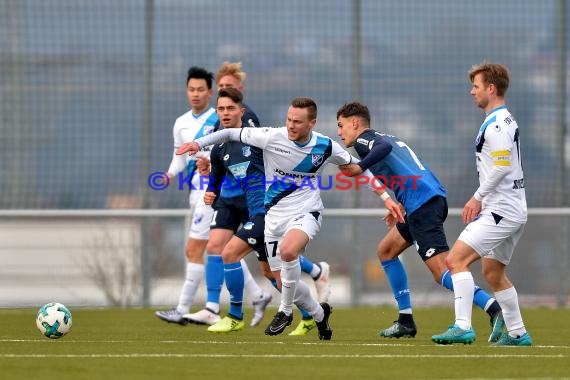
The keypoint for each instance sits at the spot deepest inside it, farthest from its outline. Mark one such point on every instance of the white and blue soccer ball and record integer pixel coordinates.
(54, 320)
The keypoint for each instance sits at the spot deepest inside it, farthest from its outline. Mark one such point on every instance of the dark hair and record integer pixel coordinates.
(234, 94)
(308, 103)
(492, 73)
(354, 109)
(196, 72)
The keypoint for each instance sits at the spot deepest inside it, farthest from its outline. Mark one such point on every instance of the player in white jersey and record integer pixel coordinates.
(294, 157)
(199, 121)
(496, 213)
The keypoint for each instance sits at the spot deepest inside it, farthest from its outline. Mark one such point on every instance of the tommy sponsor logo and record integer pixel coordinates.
(285, 174)
(282, 150)
(360, 140)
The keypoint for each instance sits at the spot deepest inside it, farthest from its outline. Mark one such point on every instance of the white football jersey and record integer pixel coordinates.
(189, 127)
(292, 170)
(498, 144)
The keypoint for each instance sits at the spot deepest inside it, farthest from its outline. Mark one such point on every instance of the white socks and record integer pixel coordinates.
(290, 276)
(250, 286)
(304, 300)
(194, 275)
(509, 301)
(463, 285)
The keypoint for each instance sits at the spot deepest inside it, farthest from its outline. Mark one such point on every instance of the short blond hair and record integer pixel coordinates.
(231, 68)
(492, 73)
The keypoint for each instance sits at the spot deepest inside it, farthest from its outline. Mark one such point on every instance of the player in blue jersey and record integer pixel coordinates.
(230, 162)
(294, 156)
(424, 199)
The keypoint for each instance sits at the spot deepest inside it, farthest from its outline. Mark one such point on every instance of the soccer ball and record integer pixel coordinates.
(53, 320)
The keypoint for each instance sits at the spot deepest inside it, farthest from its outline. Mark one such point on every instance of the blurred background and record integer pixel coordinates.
(89, 92)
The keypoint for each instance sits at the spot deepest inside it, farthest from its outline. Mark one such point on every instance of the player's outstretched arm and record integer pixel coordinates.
(218, 137)
(350, 169)
(191, 148)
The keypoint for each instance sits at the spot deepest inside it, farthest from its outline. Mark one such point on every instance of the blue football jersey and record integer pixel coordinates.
(235, 166)
(401, 170)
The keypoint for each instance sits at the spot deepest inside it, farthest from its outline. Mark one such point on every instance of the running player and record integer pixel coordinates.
(424, 200)
(293, 155)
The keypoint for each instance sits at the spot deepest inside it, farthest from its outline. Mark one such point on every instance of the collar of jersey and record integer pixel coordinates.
(197, 116)
(495, 110)
(308, 141)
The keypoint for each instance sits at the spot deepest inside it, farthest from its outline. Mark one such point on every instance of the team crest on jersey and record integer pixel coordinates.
(209, 129)
(226, 157)
(246, 151)
(317, 159)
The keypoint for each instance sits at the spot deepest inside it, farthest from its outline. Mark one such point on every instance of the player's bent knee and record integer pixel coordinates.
(229, 256)
(451, 263)
(214, 247)
(288, 253)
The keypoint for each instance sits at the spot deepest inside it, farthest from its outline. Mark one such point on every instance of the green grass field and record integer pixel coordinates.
(134, 344)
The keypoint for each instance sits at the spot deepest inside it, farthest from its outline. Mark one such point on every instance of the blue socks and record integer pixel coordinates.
(214, 278)
(233, 274)
(398, 280)
(306, 264)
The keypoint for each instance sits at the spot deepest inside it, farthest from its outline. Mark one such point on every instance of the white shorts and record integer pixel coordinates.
(309, 223)
(201, 213)
(493, 240)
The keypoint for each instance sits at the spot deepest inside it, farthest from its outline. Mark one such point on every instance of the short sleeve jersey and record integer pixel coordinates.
(498, 143)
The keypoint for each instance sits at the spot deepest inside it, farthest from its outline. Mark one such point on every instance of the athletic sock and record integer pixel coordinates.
(233, 273)
(509, 301)
(214, 281)
(194, 275)
(251, 287)
(463, 285)
(290, 276)
(398, 280)
(480, 297)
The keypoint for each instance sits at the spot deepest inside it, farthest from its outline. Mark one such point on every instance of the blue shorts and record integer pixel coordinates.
(233, 214)
(424, 228)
